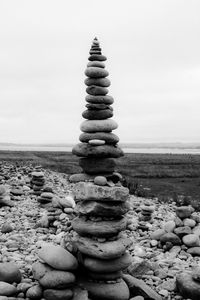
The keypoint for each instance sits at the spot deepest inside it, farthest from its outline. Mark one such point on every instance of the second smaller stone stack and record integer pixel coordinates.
(37, 181)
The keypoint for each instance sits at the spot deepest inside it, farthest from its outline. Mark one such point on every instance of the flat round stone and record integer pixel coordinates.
(96, 63)
(98, 125)
(107, 266)
(102, 209)
(96, 90)
(81, 177)
(191, 240)
(104, 82)
(57, 279)
(100, 180)
(53, 294)
(95, 52)
(106, 250)
(109, 138)
(99, 99)
(97, 57)
(90, 191)
(95, 72)
(98, 106)
(170, 237)
(107, 291)
(105, 229)
(96, 142)
(87, 150)
(57, 257)
(97, 165)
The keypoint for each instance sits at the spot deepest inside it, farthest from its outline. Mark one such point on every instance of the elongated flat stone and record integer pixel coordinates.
(96, 63)
(81, 177)
(105, 229)
(99, 99)
(104, 82)
(97, 165)
(105, 276)
(107, 266)
(98, 125)
(95, 72)
(104, 291)
(96, 90)
(87, 150)
(102, 209)
(109, 138)
(97, 57)
(98, 106)
(106, 250)
(89, 191)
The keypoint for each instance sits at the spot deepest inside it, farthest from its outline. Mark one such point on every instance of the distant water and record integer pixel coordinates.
(126, 150)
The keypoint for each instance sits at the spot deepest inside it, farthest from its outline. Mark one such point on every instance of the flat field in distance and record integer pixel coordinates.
(160, 175)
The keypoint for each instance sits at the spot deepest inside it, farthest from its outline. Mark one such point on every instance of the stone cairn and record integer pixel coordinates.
(183, 230)
(37, 181)
(55, 272)
(101, 199)
(146, 215)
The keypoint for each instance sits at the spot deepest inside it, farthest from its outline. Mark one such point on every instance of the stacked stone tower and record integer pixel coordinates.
(102, 201)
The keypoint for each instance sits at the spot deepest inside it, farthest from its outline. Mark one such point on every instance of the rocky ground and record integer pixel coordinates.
(23, 233)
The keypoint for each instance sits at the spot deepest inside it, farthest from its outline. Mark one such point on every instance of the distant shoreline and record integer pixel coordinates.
(151, 150)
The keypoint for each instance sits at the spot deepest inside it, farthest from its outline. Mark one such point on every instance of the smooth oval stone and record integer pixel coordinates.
(97, 114)
(105, 229)
(105, 276)
(195, 251)
(95, 72)
(34, 292)
(181, 231)
(102, 209)
(170, 237)
(57, 279)
(187, 287)
(53, 294)
(191, 240)
(104, 82)
(184, 211)
(98, 106)
(109, 138)
(105, 291)
(57, 257)
(106, 250)
(156, 235)
(95, 52)
(97, 165)
(89, 191)
(100, 180)
(96, 142)
(96, 90)
(87, 150)
(97, 57)
(81, 177)
(107, 266)
(96, 63)
(7, 289)
(9, 272)
(98, 125)
(99, 99)
(169, 226)
(189, 222)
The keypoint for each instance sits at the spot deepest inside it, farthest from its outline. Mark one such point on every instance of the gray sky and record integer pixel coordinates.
(153, 51)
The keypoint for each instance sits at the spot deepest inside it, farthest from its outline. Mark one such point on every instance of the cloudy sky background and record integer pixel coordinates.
(153, 51)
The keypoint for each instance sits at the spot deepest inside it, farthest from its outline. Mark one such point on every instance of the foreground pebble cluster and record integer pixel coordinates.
(25, 230)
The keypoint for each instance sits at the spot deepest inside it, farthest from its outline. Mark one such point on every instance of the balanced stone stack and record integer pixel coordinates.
(101, 198)
(183, 230)
(146, 212)
(55, 272)
(37, 182)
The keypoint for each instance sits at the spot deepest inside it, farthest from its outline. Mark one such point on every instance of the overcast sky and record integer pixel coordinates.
(153, 57)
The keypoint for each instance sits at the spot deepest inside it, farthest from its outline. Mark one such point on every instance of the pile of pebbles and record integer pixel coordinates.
(183, 229)
(102, 201)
